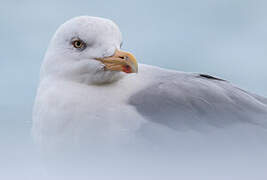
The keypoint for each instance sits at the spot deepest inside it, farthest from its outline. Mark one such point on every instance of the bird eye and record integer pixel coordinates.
(78, 44)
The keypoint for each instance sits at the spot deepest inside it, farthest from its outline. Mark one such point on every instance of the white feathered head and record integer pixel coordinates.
(87, 49)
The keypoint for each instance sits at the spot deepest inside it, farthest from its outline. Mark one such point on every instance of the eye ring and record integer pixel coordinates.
(78, 44)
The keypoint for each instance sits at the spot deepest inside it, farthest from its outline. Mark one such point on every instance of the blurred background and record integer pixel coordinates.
(225, 38)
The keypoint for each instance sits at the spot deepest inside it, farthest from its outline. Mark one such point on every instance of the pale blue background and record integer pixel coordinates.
(225, 38)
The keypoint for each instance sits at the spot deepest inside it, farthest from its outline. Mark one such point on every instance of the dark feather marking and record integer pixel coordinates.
(210, 77)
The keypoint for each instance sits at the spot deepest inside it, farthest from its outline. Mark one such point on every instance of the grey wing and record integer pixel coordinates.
(194, 100)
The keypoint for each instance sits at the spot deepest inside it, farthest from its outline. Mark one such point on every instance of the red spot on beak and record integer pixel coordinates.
(127, 69)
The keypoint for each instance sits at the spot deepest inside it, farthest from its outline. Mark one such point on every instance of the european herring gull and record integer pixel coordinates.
(90, 90)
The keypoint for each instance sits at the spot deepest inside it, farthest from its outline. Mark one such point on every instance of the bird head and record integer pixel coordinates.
(88, 49)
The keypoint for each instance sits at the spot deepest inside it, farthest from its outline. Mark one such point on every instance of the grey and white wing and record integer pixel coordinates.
(181, 100)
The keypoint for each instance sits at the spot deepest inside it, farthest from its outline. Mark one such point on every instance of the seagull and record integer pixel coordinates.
(92, 91)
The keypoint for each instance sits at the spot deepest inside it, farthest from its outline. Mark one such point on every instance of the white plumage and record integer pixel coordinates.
(79, 100)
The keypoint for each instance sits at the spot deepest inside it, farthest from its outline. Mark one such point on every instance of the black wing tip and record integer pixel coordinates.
(210, 77)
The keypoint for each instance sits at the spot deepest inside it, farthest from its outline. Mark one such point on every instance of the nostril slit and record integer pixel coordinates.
(124, 57)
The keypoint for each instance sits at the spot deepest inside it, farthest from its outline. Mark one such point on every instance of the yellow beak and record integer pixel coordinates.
(120, 61)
